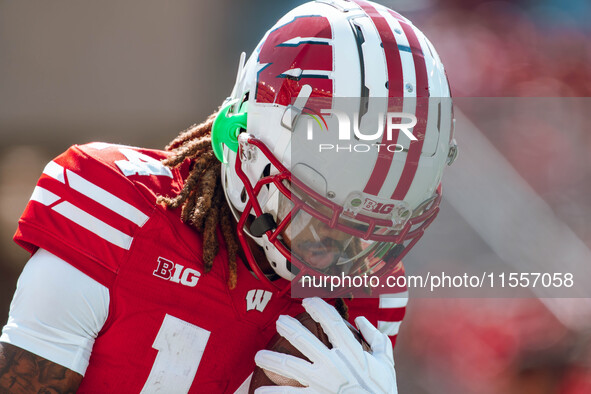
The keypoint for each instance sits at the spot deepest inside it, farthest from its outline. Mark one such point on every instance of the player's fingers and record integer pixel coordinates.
(380, 343)
(284, 364)
(332, 323)
(369, 331)
(300, 337)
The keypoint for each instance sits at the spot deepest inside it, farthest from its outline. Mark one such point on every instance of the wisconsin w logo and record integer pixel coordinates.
(293, 55)
(257, 299)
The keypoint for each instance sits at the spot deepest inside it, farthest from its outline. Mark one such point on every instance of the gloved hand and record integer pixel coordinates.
(346, 368)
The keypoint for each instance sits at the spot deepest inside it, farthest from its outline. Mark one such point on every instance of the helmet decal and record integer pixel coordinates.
(295, 54)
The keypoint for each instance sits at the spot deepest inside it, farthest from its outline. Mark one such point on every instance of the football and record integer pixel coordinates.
(262, 377)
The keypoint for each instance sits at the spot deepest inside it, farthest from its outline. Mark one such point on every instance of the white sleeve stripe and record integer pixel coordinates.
(94, 225)
(389, 327)
(55, 171)
(99, 145)
(44, 196)
(398, 300)
(106, 199)
(96, 193)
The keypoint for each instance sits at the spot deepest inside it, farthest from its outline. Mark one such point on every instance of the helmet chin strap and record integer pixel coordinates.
(278, 262)
(274, 257)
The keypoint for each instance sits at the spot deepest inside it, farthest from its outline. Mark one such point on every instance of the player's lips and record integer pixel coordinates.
(318, 254)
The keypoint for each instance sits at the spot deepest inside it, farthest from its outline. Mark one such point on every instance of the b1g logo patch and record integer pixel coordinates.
(377, 207)
(176, 273)
(360, 203)
(293, 55)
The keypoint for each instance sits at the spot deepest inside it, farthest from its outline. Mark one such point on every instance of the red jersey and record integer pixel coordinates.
(171, 327)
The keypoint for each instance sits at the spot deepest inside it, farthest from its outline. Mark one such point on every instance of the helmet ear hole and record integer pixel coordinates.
(243, 195)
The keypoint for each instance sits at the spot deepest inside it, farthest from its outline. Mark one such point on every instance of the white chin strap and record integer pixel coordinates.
(276, 259)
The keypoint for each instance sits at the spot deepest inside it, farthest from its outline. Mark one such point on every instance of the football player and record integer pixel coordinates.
(167, 271)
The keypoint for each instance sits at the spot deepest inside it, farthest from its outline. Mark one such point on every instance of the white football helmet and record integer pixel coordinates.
(322, 195)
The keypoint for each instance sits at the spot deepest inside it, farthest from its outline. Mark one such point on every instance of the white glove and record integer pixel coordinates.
(346, 368)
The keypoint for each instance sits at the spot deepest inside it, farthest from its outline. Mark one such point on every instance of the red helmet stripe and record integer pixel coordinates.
(422, 111)
(395, 91)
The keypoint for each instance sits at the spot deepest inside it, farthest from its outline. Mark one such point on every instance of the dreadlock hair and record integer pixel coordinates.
(342, 307)
(202, 198)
